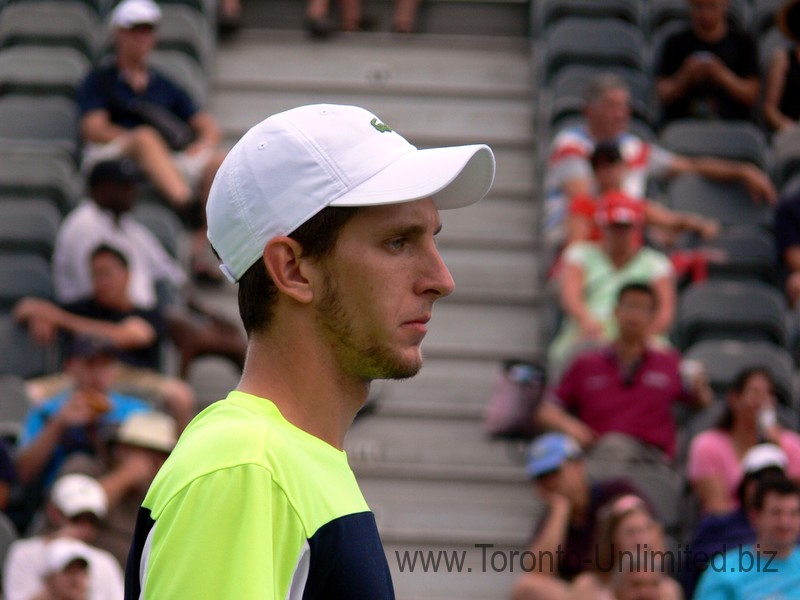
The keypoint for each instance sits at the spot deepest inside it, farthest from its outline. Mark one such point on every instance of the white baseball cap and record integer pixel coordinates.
(61, 552)
(763, 456)
(75, 494)
(135, 12)
(293, 164)
(148, 429)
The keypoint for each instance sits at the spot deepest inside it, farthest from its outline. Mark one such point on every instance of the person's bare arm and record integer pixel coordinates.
(573, 303)
(676, 86)
(660, 216)
(742, 89)
(207, 132)
(553, 416)
(96, 126)
(776, 81)
(758, 183)
(664, 287)
(553, 532)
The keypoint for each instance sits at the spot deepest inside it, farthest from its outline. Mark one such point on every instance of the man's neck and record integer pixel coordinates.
(133, 70)
(302, 380)
(629, 350)
(712, 35)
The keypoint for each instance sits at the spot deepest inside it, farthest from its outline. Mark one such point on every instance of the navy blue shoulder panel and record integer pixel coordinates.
(348, 561)
(144, 523)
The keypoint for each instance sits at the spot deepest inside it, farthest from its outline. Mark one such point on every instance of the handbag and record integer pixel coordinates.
(517, 392)
(176, 132)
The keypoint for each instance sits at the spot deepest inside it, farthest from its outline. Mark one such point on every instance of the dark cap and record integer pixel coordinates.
(605, 153)
(89, 346)
(119, 171)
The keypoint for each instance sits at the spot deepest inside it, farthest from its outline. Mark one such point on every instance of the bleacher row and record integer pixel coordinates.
(46, 48)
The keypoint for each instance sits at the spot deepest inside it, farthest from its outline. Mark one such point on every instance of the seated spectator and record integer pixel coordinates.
(609, 171)
(620, 398)
(710, 69)
(72, 421)
(607, 118)
(105, 218)
(637, 580)
(786, 227)
(717, 534)
(138, 448)
(593, 274)
(320, 25)
(775, 517)
(782, 93)
(135, 333)
(114, 124)
(76, 505)
(563, 541)
(626, 527)
(714, 464)
(66, 575)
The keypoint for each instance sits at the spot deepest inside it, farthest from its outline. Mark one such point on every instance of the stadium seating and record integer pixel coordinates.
(27, 358)
(547, 12)
(728, 202)
(42, 71)
(735, 140)
(748, 253)
(28, 226)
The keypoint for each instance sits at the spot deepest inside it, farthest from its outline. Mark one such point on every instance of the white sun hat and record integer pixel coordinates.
(293, 164)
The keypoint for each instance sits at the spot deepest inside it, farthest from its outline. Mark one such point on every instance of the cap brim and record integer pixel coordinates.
(453, 177)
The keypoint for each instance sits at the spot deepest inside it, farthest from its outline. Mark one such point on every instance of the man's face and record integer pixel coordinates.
(707, 15)
(610, 114)
(71, 583)
(756, 394)
(136, 42)
(569, 480)
(110, 279)
(610, 176)
(380, 283)
(116, 196)
(777, 525)
(634, 313)
(93, 372)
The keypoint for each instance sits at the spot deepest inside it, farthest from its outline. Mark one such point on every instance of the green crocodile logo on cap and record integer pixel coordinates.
(382, 127)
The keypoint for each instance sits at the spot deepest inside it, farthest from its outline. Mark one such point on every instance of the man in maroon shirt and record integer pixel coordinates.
(617, 401)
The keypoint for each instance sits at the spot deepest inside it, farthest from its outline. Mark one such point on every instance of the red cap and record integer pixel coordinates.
(619, 208)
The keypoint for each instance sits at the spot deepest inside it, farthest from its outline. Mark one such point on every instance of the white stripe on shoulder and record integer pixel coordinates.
(143, 560)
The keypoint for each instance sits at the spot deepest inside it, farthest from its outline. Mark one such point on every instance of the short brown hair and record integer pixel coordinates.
(257, 291)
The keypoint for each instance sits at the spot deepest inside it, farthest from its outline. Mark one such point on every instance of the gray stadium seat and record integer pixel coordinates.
(600, 42)
(23, 275)
(729, 202)
(162, 221)
(763, 17)
(786, 151)
(185, 29)
(28, 226)
(724, 359)
(19, 354)
(29, 173)
(738, 310)
(14, 405)
(734, 140)
(61, 23)
(183, 70)
(548, 12)
(45, 120)
(749, 254)
(41, 70)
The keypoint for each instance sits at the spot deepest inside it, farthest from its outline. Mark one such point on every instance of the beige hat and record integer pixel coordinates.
(62, 552)
(76, 494)
(151, 429)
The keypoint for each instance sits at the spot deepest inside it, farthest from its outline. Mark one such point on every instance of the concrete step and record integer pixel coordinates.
(447, 512)
(422, 120)
(495, 222)
(483, 330)
(420, 66)
(474, 573)
(426, 448)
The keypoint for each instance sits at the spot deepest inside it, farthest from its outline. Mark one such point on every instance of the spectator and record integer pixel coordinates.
(637, 580)
(718, 533)
(105, 219)
(607, 117)
(626, 527)
(609, 170)
(771, 567)
(76, 505)
(622, 395)
(714, 467)
(593, 274)
(114, 122)
(566, 532)
(710, 69)
(72, 421)
(138, 448)
(782, 93)
(66, 575)
(320, 25)
(136, 334)
(786, 226)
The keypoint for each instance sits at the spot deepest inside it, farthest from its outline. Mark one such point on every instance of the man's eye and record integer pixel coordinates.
(397, 243)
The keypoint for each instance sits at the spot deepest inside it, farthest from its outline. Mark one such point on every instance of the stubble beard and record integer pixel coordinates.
(365, 358)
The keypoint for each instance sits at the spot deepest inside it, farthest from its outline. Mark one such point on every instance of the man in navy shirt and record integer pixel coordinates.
(113, 104)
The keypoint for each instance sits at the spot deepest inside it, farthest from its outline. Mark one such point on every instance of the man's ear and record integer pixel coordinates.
(285, 265)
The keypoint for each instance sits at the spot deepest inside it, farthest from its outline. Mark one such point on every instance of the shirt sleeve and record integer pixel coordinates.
(21, 576)
(203, 547)
(659, 162)
(89, 95)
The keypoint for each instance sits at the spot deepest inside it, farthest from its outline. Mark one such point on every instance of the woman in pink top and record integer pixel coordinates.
(714, 465)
